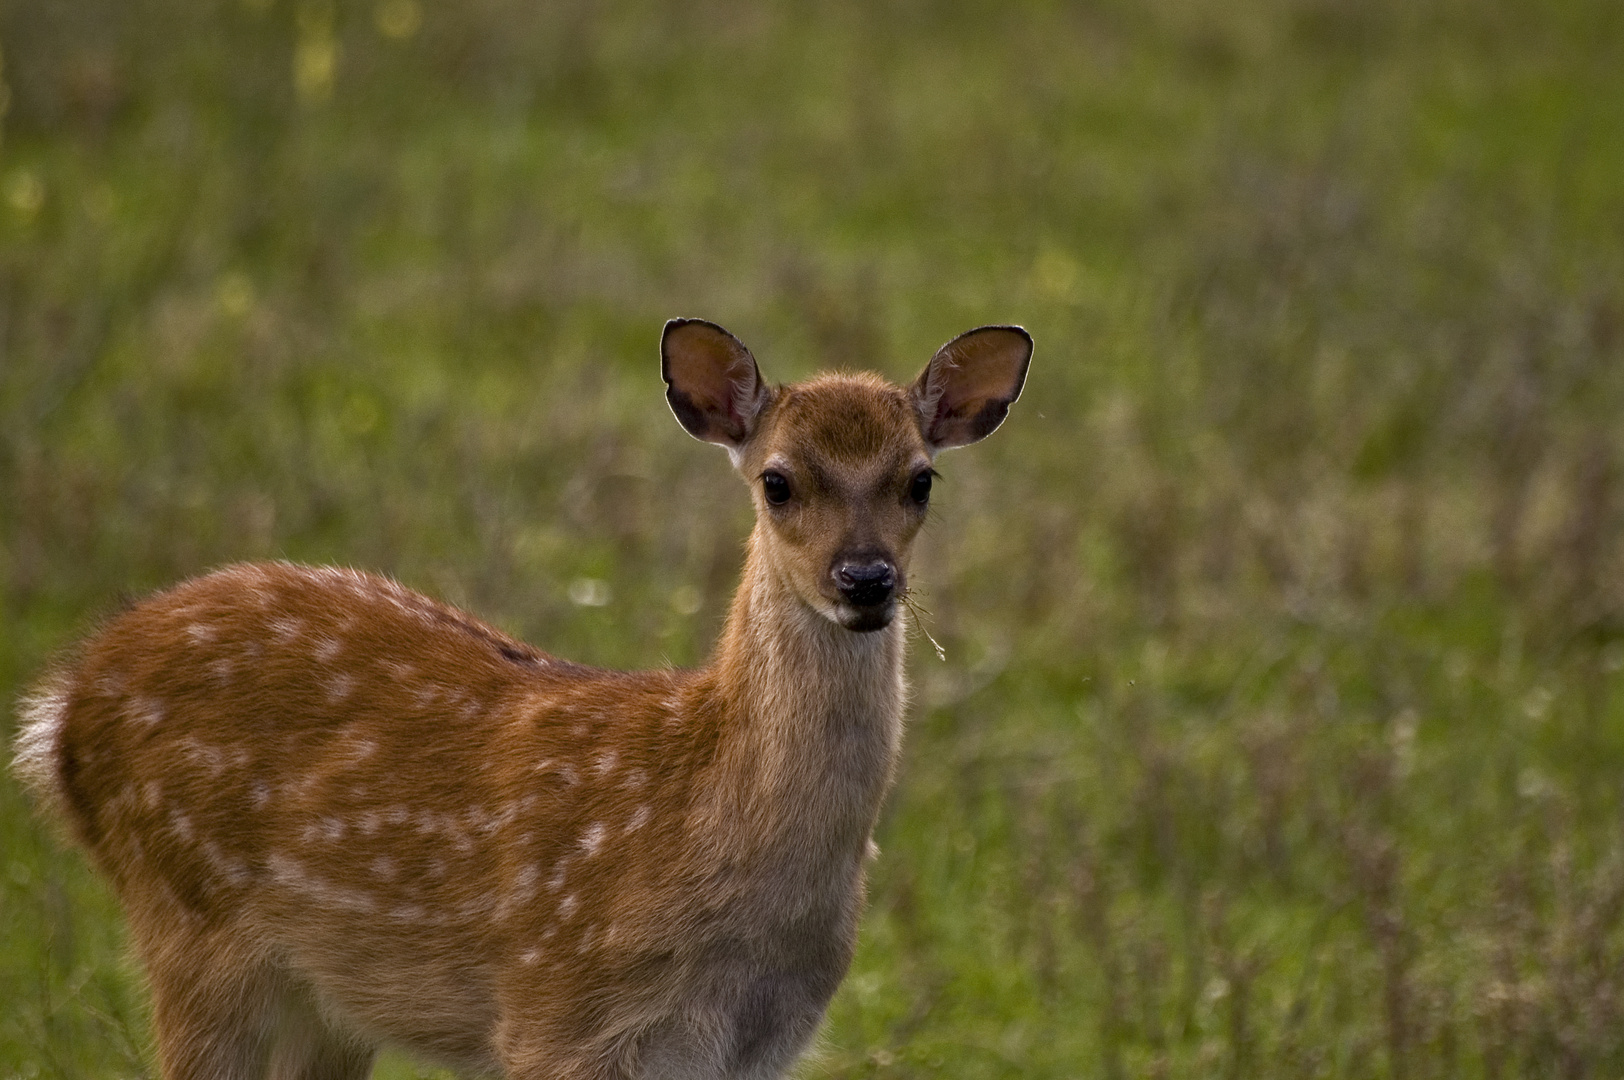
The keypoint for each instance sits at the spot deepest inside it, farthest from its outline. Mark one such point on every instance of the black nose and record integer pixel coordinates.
(866, 584)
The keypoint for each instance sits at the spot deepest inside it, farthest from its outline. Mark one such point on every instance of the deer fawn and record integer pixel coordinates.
(339, 813)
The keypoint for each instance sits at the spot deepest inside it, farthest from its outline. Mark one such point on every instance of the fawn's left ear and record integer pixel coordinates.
(967, 388)
(712, 382)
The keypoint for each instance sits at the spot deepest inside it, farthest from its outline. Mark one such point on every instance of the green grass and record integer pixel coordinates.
(1281, 729)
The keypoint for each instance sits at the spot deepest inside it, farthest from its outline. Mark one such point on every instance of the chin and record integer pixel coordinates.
(866, 620)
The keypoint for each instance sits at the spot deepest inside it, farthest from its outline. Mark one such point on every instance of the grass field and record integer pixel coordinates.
(1281, 727)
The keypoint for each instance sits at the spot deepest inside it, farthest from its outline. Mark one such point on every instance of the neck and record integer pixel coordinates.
(813, 716)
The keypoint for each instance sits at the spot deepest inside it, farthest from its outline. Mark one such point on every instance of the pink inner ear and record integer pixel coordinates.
(969, 384)
(713, 381)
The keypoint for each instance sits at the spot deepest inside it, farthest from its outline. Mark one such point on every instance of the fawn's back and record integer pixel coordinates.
(340, 813)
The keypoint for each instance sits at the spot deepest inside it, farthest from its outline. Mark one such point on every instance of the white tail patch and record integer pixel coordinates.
(39, 735)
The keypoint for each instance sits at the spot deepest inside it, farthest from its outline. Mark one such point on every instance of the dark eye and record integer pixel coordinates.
(775, 486)
(919, 490)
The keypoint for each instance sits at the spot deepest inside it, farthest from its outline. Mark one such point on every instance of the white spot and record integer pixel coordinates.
(586, 942)
(556, 882)
(151, 793)
(498, 821)
(350, 899)
(530, 956)
(397, 814)
(145, 710)
(203, 755)
(476, 905)
(222, 670)
(231, 869)
(339, 686)
(566, 907)
(592, 840)
(635, 779)
(286, 630)
(407, 912)
(673, 705)
(200, 632)
(332, 828)
(606, 763)
(181, 825)
(364, 748)
(327, 648)
(289, 873)
(370, 822)
(385, 867)
(568, 775)
(299, 787)
(640, 818)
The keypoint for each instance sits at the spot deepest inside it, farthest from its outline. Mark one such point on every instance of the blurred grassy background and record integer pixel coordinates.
(1281, 731)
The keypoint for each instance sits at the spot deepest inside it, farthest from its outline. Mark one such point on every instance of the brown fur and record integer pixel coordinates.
(340, 813)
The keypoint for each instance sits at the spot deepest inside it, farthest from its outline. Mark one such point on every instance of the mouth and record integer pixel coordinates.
(867, 618)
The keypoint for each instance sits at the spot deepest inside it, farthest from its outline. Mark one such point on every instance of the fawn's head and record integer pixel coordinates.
(840, 466)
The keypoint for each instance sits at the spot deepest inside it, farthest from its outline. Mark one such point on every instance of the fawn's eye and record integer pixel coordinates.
(919, 490)
(775, 485)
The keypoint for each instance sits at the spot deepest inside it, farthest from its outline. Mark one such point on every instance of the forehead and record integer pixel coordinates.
(852, 420)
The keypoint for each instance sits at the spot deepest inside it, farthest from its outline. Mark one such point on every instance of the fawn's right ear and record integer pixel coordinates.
(712, 382)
